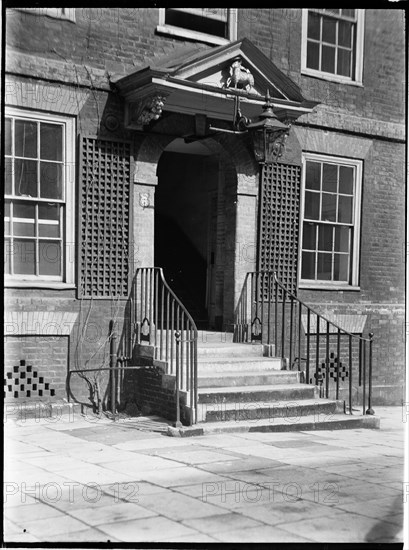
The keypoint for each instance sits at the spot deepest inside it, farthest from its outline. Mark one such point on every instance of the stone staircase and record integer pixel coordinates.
(239, 389)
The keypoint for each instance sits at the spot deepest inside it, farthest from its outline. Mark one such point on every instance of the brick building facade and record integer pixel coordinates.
(95, 191)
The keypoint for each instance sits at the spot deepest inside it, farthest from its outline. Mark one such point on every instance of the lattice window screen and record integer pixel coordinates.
(279, 222)
(104, 218)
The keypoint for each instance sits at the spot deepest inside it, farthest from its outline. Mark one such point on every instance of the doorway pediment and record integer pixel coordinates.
(206, 81)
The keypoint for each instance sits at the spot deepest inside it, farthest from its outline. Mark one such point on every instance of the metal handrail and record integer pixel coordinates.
(354, 335)
(253, 306)
(157, 316)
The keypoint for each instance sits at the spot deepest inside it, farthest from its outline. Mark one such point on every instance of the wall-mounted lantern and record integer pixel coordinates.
(268, 134)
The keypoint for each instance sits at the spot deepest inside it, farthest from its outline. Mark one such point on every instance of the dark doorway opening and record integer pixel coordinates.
(183, 232)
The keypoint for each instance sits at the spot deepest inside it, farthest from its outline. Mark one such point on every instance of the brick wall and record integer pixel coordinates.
(104, 44)
(86, 347)
(118, 41)
(146, 385)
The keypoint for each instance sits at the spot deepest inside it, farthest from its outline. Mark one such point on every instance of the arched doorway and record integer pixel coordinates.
(207, 190)
(192, 228)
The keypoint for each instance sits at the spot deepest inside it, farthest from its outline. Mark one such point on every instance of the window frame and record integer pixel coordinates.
(67, 278)
(200, 36)
(318, 284)
(357, 78)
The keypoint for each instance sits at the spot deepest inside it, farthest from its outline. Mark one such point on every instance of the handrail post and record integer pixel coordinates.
(275, 314)
(370, 409)
(317, 352)
(269, 309)
(284, 293)
(307, 366)
(363, 375)
(327, 362)
(113, 359)
(350, 374)
(178, 423)
(195, 376)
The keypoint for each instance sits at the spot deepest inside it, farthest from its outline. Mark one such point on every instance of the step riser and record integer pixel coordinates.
(227, 351)
(249, 380)
(216, 413)
(205, 368)
(322, 424)
(216, 337)
(258, 396)
(230, 370)
(347, 423)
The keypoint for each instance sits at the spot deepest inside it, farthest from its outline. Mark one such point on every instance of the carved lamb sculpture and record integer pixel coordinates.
(240, 77)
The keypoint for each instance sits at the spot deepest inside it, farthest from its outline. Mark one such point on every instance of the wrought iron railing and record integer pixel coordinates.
(268, 313)
(159, 319)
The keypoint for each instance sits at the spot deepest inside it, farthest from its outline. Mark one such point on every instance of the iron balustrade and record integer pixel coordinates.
(270, 314)
(159, 319)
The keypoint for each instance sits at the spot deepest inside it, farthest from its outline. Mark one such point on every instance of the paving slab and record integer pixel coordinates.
(31, 512)
(185, 476)
(178, 507)
(389, 508)
(92, 534)
(248, 463)
(62, 525)
(345, 528)
(96, 474)
(221, 522)
(118, 511)
(154, 529)
(262, 534)
(132, 491)
(77, 497)
(199, 456)
(141, 463)
(280, 511)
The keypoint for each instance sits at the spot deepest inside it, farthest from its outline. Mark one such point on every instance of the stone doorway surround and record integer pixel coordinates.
(241, 179)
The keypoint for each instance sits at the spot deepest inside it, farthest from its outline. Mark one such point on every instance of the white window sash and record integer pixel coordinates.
(356, 225)
(68, 237)
(356, 79)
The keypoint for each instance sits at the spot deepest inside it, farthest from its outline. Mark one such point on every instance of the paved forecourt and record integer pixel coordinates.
(78, 479)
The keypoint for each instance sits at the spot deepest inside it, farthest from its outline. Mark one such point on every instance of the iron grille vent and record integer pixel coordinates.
(104, 218)
(279, 220)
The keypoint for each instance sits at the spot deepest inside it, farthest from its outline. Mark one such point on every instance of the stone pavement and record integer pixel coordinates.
(77, 479)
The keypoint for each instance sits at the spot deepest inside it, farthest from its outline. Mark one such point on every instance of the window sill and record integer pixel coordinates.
(317, 286)
(331, 77)
(53, 285)
(191, 35)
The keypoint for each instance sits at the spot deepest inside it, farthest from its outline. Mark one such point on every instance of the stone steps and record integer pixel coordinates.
(239, 389)
(237, 384)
